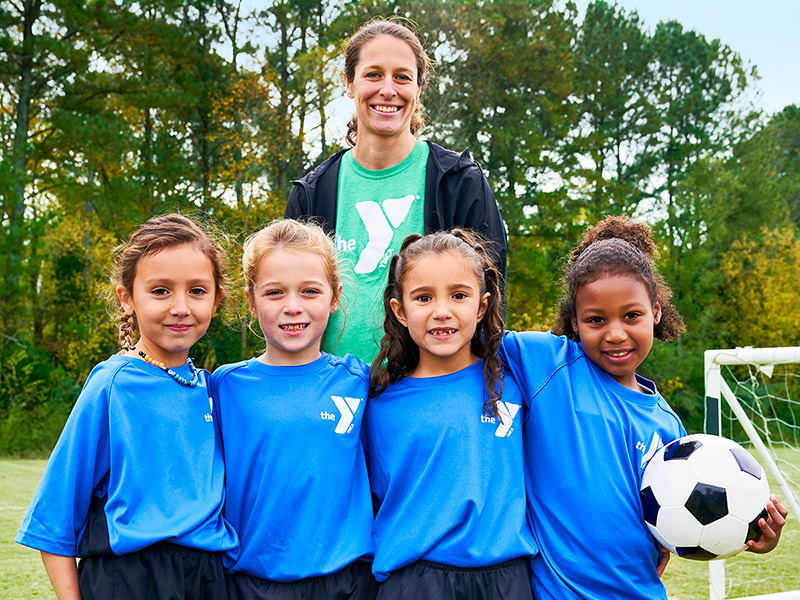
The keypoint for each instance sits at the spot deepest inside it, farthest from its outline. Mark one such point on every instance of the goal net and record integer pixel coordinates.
(753, 397)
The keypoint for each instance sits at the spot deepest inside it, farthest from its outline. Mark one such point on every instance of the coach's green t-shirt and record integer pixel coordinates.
(375, 212)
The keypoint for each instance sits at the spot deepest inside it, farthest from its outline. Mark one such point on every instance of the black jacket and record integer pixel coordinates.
(456, 195)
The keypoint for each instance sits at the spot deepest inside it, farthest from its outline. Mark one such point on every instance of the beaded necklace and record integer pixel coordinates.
(182, 380)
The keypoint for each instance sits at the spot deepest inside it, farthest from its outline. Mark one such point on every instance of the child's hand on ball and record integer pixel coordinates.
(770, 528)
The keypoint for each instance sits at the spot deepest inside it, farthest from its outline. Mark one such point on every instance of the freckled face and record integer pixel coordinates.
(385, 88)
(293, 300)
(614, 320)
(442, 306)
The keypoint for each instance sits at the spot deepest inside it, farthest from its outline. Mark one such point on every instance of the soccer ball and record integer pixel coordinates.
(702, 496)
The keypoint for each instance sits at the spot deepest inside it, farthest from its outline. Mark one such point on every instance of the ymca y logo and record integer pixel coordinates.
(506, 411)
(380, 222)
(347, 408)
(655, 444)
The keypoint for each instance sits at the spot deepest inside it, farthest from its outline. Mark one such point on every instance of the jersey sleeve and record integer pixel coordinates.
(533, 357)
(80, 460)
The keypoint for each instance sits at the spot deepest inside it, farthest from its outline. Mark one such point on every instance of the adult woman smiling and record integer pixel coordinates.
(389, 184)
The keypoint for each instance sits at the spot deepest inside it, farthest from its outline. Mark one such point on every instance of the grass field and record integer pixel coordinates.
(22, 575)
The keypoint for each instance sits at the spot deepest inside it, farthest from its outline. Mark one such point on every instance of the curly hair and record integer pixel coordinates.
(399, 354)
(154, 235)
(352, 55)
(617, 246)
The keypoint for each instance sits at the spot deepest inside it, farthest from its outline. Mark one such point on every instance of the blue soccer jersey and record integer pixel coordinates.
(448, 478)
(296, 481)
(587, 440)
(147, 450)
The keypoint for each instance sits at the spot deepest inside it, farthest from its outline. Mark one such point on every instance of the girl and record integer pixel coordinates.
(444, 444)
(390, 184)
(296, 480)
(134, 485)
(595, 422)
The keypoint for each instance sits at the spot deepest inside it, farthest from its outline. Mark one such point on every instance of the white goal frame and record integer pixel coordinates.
(716, 389)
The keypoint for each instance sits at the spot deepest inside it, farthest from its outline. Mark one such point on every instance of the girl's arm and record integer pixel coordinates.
(63, 574)
(662, 562)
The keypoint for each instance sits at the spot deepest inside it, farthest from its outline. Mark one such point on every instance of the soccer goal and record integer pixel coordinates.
(761, 411)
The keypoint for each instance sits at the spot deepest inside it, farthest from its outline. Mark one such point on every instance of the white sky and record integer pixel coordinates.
(766, 33)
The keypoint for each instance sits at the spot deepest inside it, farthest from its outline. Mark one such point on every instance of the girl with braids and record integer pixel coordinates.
(134, 485)
(296, 481)
(388, 183)
(592, 423)
(443, 436)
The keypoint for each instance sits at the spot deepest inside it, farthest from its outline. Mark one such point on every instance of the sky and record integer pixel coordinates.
(766, 33)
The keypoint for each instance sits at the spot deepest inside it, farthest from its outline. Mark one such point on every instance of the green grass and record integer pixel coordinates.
(22, 575)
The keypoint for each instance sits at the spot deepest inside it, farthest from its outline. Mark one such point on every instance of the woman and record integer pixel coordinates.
(390, 184)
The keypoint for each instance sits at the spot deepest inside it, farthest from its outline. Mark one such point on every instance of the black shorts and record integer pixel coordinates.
(425, 580)
(162, 571)
(354, 582)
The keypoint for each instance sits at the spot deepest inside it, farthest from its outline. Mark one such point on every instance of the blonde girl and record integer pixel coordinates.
(296, 484)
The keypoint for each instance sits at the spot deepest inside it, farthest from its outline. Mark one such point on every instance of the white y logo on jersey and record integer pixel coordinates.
(506, 411)
(655, 444)
(347, 408)
(379, 224)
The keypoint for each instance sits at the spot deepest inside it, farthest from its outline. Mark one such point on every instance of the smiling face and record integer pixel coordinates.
(292, 298)
(441, 306)
(385, 88)
(614, 320)
(173, 298)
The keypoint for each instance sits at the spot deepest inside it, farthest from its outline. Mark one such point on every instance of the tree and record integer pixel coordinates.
(613, 84)
(40, 44)
(696, 81)
(761, 278)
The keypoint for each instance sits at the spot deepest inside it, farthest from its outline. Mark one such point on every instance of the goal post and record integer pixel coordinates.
(752, 398)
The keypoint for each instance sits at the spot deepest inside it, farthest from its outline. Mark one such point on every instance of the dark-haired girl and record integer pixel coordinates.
(389, 184)
(134, 485)
(443, 431)
(592, 422)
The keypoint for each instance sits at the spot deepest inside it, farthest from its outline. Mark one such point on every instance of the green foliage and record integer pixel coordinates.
(111, 112)
(35, 401)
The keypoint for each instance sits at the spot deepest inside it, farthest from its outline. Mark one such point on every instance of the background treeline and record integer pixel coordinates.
(113, 110)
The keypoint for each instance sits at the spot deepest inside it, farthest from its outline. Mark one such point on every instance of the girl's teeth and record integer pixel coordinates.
(386, 109)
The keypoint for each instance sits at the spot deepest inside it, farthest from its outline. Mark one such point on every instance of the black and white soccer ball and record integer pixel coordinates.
(702, 496)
